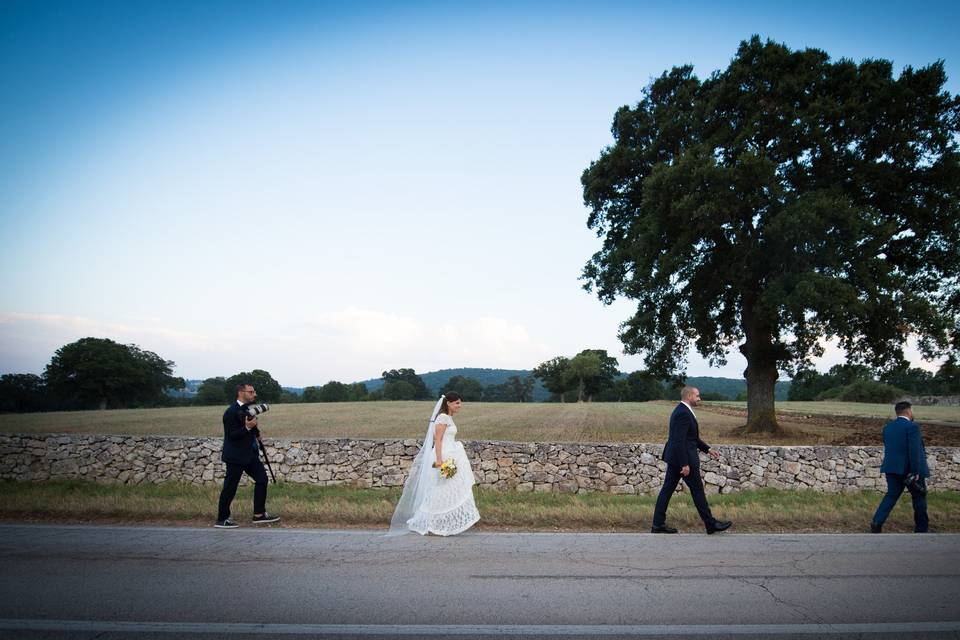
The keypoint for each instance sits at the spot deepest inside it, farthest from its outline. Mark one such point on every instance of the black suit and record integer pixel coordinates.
(682, 449)
(241, 454)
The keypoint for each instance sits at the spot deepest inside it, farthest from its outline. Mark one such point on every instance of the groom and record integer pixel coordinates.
(683, 461)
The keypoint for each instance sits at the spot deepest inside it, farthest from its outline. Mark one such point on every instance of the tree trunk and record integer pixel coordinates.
(760, 351)
(580, 391)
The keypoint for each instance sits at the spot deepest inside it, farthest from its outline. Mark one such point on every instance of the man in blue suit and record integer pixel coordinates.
(241, 453)
(905, 467)
(682, 456)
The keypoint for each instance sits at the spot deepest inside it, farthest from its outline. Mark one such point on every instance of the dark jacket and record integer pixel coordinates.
(684, 438)
(239, 443)
(903, 451)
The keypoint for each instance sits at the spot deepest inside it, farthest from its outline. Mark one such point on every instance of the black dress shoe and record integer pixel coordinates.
(876, 528)
(662, 529)
(719, 525)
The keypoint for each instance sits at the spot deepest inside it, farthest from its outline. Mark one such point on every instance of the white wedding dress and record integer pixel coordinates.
(448, 507)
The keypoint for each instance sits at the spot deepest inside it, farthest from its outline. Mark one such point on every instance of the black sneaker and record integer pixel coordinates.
(226, 524)
(265, 518)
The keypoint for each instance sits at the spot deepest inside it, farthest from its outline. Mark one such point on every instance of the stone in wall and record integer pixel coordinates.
(617, 468)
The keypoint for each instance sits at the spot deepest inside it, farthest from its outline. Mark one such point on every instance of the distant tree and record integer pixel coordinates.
(212, 391)
(618, 392)
(643, 386)
(713, 396)
(948, 377)
(849, 373)
(496, 393)
(311, 394)
(781, 200)
(912, 379)
(101, 373)
(862, 391)
(334, 391)
(21, 393)
(593, 370)
(357, 392)
(420, 391)
(470, 390)
(268, 389)
(555, 375)
(808, 384)
(519, 389)
(399, 390)
(290, 397)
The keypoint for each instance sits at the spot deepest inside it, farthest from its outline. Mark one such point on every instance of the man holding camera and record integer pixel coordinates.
(905, 467)
(241, 453)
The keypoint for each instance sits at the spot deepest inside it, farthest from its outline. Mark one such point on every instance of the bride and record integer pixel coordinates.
(432, 503)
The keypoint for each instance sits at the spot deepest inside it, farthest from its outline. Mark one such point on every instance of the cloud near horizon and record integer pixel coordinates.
(347, 345)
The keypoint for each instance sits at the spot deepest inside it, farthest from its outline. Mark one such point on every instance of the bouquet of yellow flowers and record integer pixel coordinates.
(448, 468)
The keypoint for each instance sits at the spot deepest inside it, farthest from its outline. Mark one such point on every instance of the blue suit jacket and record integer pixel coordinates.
(903, 451)
(684, 438)
(239, 444)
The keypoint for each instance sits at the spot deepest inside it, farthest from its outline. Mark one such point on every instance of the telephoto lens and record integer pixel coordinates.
(256, 409)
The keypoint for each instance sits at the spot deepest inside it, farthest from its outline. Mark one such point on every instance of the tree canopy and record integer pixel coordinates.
(268, 389)
(589, 373)
(785, 199)
(555, 376)
(335, 391)
(214, 391)
(470, 390)
(513, 389)
(101, 373)
(21, 393)
(408, 376)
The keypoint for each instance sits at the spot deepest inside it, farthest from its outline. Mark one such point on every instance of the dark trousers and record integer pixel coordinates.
(895, 487)
(234, 472)
(694, 482)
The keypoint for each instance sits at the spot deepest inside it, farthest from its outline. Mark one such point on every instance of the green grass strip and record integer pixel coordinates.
(765, 510)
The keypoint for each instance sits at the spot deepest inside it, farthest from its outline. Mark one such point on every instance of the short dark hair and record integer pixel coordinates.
(242, 386)
(901, 407)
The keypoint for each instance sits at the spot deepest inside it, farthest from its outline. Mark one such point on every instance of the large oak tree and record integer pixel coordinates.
(101, 373)
(786, 199)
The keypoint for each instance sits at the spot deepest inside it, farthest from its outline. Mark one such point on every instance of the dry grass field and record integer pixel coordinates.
(938, 414)
(806, 423)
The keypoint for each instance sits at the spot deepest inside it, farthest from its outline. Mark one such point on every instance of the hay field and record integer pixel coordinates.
(941, 414)
(524, 422)
(520, 422)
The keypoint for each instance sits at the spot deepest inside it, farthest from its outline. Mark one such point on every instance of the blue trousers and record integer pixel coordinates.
(694, 482)
(895, 487)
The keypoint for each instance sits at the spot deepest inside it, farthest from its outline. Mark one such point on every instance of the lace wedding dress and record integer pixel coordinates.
(448, 508)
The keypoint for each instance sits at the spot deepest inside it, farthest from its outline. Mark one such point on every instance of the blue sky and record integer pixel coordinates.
(328, 190)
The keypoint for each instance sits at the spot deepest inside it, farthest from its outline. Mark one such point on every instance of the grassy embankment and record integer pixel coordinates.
(337, 507)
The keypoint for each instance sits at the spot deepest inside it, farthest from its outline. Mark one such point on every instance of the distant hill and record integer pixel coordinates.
(194, 385)
(436, 379)
(730, 387)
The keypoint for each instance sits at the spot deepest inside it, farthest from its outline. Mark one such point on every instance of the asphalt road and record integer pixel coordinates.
(154, 582)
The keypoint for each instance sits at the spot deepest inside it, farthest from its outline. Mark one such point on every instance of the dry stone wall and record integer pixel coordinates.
(506, 466)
